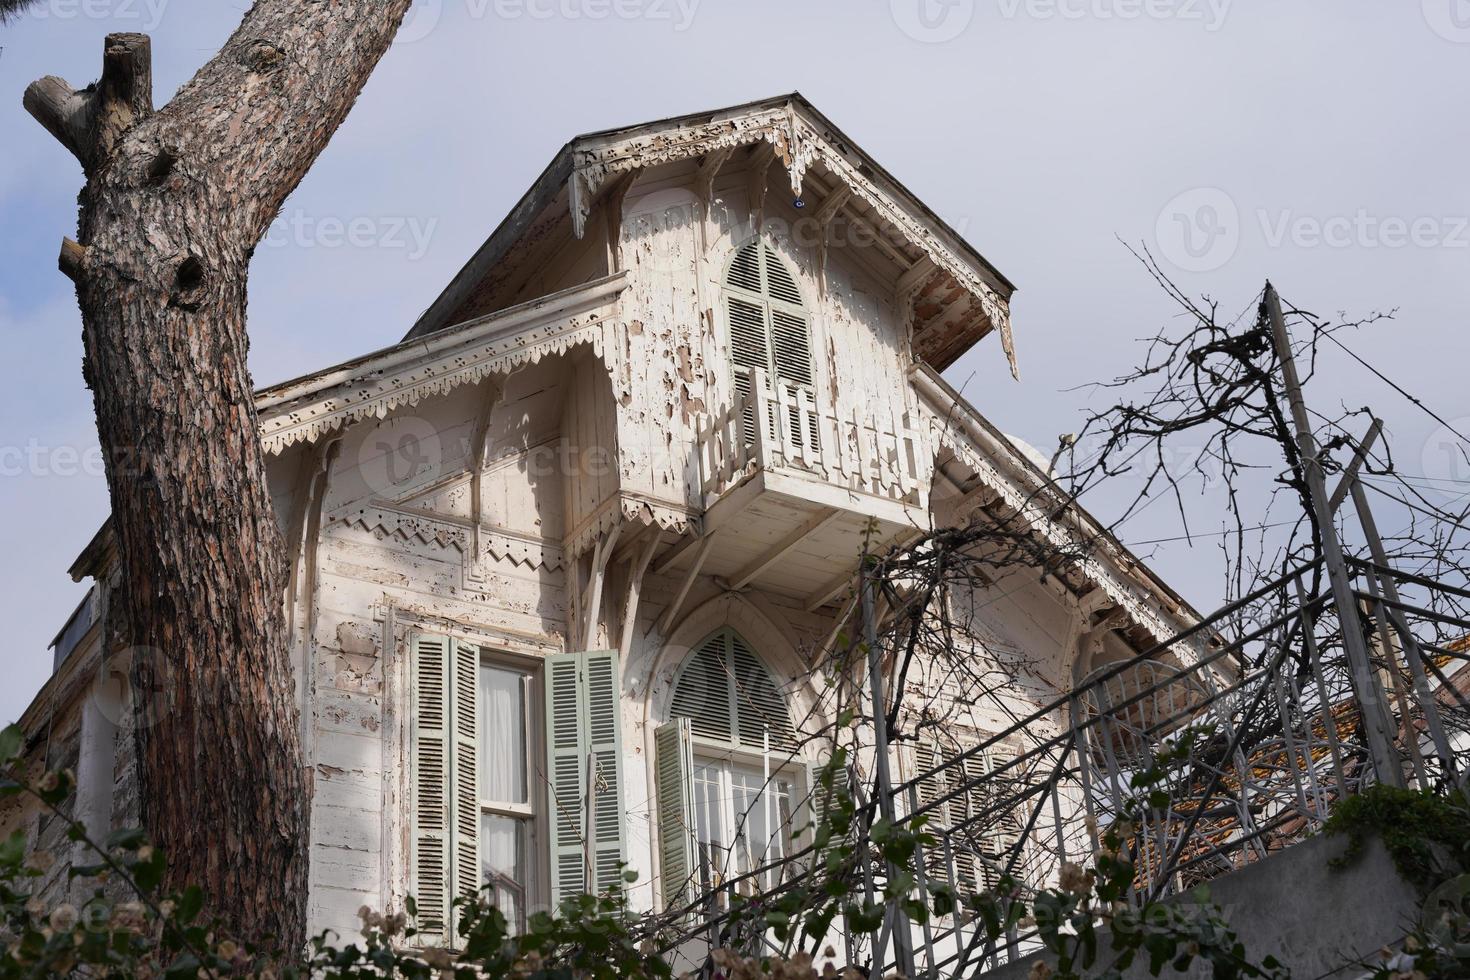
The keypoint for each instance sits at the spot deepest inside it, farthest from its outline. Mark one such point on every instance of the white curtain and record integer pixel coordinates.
(502, 735)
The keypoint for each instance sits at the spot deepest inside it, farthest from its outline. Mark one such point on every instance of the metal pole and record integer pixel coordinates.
(922, 874)
(1378, 726)
(1412, 653)
(1388, 656)
(1082, 748)
(903, 948)
(1324, 697)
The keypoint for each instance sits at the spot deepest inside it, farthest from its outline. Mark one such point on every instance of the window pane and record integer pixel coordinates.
(503, 858)
(709, 836)
(502, 735)
(762, 820)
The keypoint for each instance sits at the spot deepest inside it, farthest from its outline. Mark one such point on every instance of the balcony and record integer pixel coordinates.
(789, 490)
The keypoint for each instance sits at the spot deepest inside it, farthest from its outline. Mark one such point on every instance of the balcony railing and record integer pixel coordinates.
(780, 427)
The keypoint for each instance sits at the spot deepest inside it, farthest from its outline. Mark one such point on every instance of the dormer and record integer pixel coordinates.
(788, 163)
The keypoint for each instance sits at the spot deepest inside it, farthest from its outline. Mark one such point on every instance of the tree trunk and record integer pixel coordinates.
(174, 205)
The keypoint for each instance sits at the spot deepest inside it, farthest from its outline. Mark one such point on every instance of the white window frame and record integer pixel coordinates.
(532, 813)
(712, 753)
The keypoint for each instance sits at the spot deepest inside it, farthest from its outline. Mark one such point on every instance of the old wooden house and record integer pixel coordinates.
(564, 558)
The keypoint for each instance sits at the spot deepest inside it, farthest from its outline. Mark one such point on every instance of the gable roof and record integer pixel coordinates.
(958, 296)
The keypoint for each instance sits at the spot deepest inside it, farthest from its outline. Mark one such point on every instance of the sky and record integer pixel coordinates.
(1320, 143)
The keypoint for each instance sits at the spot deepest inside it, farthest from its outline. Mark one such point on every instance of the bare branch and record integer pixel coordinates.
(89, 121)
(62, 110)
(71, 259)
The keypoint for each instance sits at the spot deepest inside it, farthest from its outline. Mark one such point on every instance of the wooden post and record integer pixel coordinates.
(636, 571)
(760, 399)
(592, 598)
(1376, 724)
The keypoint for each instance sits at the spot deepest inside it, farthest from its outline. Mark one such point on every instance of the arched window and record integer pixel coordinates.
(728, 772)
(729, 697)
(768, 322)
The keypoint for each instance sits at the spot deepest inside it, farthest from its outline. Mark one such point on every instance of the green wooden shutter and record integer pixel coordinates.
(431, 833)
(446, 760)
(934, 783)
(757, 702)
(605, 744)
(565, 766)
(768, 322)
(791, 347)
(818, 804)
(465, 790)
(745, 268)
(748, 347)
(674, 765)
(754, 341)
(702, 691)
(779, 284)
(818, 798)
(748, 354)
(584, 721)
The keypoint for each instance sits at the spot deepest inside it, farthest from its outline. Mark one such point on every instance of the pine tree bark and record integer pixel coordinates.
(174, 204)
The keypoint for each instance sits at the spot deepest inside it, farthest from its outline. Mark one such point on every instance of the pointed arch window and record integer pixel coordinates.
(729, 696)
(730, 779)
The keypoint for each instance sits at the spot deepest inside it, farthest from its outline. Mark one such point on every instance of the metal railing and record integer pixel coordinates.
(1264, 733)
(774, 424)
(1265, 729)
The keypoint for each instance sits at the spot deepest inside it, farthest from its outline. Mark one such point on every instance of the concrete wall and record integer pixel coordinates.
(1315, 919)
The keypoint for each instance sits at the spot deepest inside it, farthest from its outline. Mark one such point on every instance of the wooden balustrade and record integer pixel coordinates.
(780, 426)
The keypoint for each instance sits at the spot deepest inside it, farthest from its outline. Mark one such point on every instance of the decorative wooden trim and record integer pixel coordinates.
(503, 544)
(623, 506)
(1101, 566)
(307, 408)
(497, 544)
(799, 142)
(385, 522)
